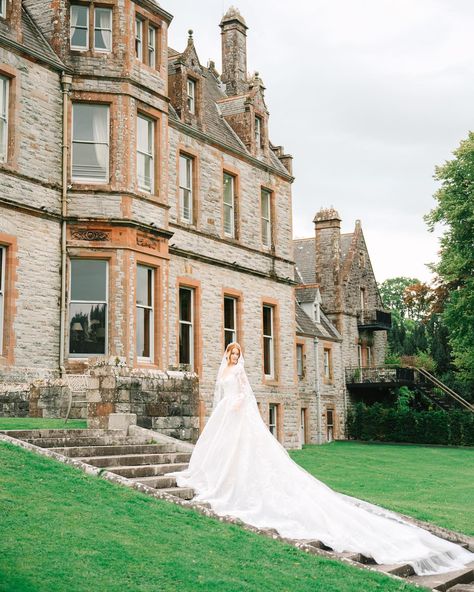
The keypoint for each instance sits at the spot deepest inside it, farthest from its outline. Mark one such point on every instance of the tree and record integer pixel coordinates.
(392, 292)
(455, 269)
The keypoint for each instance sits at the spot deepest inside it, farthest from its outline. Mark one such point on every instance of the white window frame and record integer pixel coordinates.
(139, 38)
(300, 360)
(186, 186)
(273, 419)
(106, 302)
(269, 340)
(188, 323)
(3, 8)
(303, 412)
(3, 267)
(330, 426)
(151, 308)
(87, 28)
(93, 180)
(107, 49)
(266, 196)
(191, 95)
(229, 206)
(5, 88)
(152, 35)
(147, 155)
(258, 130)
(234, 314)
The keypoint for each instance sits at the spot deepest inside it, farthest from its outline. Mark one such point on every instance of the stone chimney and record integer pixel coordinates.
(327, 224)
(234, 52)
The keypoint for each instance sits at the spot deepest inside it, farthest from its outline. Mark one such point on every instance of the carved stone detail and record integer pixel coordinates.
(89, 235)
(148, 242)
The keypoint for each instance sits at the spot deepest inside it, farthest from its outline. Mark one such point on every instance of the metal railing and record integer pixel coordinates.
(374, 318)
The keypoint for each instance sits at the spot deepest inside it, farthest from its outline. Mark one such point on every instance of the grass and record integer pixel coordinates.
(429, 483)
(63, 530)
(39, 423)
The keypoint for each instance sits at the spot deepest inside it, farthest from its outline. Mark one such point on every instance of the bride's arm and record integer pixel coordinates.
(242, 389)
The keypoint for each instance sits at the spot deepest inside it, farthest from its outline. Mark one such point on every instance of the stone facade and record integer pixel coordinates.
(231, 239)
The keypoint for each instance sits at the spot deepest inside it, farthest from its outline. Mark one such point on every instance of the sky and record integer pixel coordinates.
(369, 96)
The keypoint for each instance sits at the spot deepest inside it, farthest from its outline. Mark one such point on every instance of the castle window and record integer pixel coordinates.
(303, 424)
(145, 153)
(273, 419)
(266, 207)
(103, 29)
(145, 313)
(139, 39)
(79, 26)
(4, 92)
(258, 131)
(327, 365)
(191, 95)
(90, 143)
(229, 205)
(3, 258)
(186, 326)
(230, 320)
(300, 360)
(3, 8)
(268, 341)
(88, 307)
(186, 164)
(152, 46)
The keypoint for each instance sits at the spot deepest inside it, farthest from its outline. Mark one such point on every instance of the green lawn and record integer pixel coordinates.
(434, 484)
(39, 423)
(63, 530)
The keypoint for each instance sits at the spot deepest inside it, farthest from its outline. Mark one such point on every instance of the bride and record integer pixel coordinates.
(241, 470)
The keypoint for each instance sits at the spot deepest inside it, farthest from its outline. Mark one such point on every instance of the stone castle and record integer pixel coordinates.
(145, 223)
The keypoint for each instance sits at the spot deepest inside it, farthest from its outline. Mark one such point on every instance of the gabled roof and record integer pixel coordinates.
(323, 330)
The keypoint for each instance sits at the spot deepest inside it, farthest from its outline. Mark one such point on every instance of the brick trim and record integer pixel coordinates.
(7, 356)
(187, 282)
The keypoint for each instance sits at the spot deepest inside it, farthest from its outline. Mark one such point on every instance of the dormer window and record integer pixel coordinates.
(3, 8)
(258, 131)
(85, 19)
(191, 95)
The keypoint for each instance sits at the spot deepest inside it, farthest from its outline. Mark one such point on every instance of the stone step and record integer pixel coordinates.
(147, 470)
(182, 492)
(73, 442)
(158, 482)
(446, 581)
(397, 569)
(130, 460)
(115, 449)
(462, 588)
(59, 433)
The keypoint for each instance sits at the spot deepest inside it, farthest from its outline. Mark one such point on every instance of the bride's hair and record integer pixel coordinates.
(229, 348)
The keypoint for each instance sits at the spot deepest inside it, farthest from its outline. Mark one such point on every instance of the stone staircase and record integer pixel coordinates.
(134, 457)
(147, 458)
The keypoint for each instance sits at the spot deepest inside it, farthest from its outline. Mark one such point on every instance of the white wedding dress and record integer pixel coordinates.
(241, 470)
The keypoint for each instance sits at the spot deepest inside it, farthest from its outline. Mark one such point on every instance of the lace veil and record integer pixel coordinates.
(239, 369)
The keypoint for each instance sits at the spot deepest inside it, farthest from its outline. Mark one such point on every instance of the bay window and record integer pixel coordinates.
(79, 16)
(90, 143)
(88, 307)
(145, 153)
(4, 93)
(186, 326)
(186, 188)
(103, 29)
(139, 39)
(152, 46)
(145, 312)
(85, 20)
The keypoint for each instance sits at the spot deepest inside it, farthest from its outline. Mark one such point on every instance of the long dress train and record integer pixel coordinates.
(241, 470)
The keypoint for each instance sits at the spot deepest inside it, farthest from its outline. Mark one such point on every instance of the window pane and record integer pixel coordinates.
(266, 204)
(90, 161)
(144, 285)
(79, 16)
(185, 305)
(151, 46)
(229, 313)
(144, 134)
(229, 337)
(267, 360)
(267, 320)
(2, 262)
(228, 190)
(89, 280)
(79, 26)
(144, 332)
(185, 342)
(87, 332)
(90, 123)
(103, 29)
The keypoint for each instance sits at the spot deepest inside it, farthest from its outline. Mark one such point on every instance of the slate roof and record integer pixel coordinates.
(214, 109)
(305, 259)
(324, 330)
(346, 241)
(306, 294)
(35, 43)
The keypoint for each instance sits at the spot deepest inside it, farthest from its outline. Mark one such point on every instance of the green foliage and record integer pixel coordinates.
(392, 359)
(403, 424)
(425, 361)
(455, 210)
(40, 423)
(404, 397)
(392, 292)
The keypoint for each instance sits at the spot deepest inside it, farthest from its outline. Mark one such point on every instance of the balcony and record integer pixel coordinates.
(374, 320)
(381, 377)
